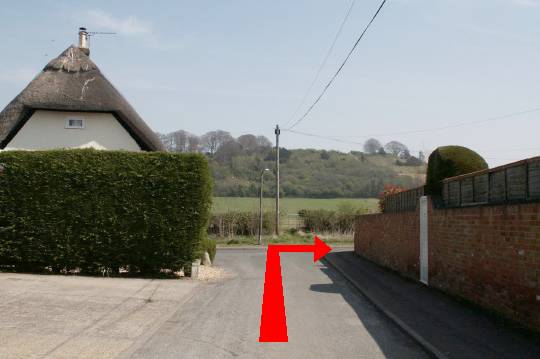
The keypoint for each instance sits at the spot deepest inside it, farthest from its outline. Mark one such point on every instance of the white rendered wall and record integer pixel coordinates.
(47, 130)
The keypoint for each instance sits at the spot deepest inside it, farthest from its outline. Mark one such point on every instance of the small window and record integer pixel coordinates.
(74, 122)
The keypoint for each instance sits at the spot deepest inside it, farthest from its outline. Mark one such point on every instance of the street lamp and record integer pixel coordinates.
(260, 205)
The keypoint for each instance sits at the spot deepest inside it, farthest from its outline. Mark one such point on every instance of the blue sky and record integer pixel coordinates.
(244, 66)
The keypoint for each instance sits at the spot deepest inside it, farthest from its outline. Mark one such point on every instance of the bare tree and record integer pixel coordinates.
(166, 140)
(262, 141)
(180, 140)
(372, 146)
(405, 155)
(395, 147)
(194, 143)
(227, 151)
(212, 140)
(248, 142)
(422, 156)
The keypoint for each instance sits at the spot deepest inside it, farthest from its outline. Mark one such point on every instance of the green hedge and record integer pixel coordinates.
(450, 161)
(329, 221)
(99, 211)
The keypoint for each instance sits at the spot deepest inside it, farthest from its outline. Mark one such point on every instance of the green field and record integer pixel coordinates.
(289, 206)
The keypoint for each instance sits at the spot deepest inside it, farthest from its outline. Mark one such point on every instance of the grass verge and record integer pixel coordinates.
(286, 238)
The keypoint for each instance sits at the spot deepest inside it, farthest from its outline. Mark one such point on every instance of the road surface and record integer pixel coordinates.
(325, 317)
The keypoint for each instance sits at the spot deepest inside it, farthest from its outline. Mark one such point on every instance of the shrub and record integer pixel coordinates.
(450, 161)
(207, 245)
(99, 211)
(389, 189)
(238, 223)
(328, 221)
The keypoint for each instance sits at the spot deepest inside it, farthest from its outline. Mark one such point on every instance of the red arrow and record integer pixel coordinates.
(319, 248)
(273, 320)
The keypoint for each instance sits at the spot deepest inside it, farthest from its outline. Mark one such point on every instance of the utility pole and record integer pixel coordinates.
(277, 132)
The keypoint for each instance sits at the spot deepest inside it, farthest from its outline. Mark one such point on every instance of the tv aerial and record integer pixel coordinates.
(84, 36)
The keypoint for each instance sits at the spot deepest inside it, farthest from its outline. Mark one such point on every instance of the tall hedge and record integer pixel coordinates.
(450, 161)
(99, 211)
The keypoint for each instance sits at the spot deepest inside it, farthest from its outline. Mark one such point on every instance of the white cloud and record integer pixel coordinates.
(129, 25)
(529, 3)
(17, 76)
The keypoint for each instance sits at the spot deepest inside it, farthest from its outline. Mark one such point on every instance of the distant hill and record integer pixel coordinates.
(237, 163)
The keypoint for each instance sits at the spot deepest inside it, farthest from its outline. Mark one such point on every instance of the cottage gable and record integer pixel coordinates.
(73, 83)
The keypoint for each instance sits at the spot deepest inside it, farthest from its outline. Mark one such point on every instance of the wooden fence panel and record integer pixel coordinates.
(534, 179)
(453, 193)
(467, 190)
(497, 186)
(515, 182)
(481, 188)
(403, 201)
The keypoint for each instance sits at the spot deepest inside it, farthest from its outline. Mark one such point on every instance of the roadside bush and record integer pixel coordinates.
(238, 223)
(99, 211)
(389, 189)
(329, 221)
(207, 245)
(450, 161)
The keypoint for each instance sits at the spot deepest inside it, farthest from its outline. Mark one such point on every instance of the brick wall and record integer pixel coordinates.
(489, 255)
(390, 239)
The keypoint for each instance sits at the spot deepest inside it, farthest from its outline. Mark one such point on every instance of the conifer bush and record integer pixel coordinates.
(450, 161)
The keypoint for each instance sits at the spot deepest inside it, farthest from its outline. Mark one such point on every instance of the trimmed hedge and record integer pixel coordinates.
(329, 221)
(99, 211)
(450, 161)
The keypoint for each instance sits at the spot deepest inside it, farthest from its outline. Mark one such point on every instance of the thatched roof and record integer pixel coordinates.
(72, 82)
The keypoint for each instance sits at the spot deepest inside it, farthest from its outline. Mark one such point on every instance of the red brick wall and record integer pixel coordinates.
(390, 240)
(489, 255)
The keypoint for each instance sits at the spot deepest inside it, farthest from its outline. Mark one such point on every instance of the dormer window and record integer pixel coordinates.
(75, 122)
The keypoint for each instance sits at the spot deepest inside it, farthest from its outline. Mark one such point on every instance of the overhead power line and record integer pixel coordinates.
(324, 137)
(502, 117)
(339, 69)
(414, 150)
(323, 63)
(430, 129)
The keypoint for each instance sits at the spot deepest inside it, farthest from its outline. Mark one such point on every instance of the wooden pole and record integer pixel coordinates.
(277, 132)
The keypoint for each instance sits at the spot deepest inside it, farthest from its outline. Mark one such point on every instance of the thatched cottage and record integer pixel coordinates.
(70, 104)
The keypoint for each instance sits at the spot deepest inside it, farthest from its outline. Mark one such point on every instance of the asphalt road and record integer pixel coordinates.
(325, 317)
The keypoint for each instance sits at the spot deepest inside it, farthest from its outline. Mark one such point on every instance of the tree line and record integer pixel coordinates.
(236, 165)
(211, 142)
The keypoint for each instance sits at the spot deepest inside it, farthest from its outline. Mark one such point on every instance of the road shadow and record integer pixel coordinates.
(392, 341)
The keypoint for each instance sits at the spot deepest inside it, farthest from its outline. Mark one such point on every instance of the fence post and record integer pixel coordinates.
(527, 181)
(505, 185)
(424, 267)
(473, 190)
